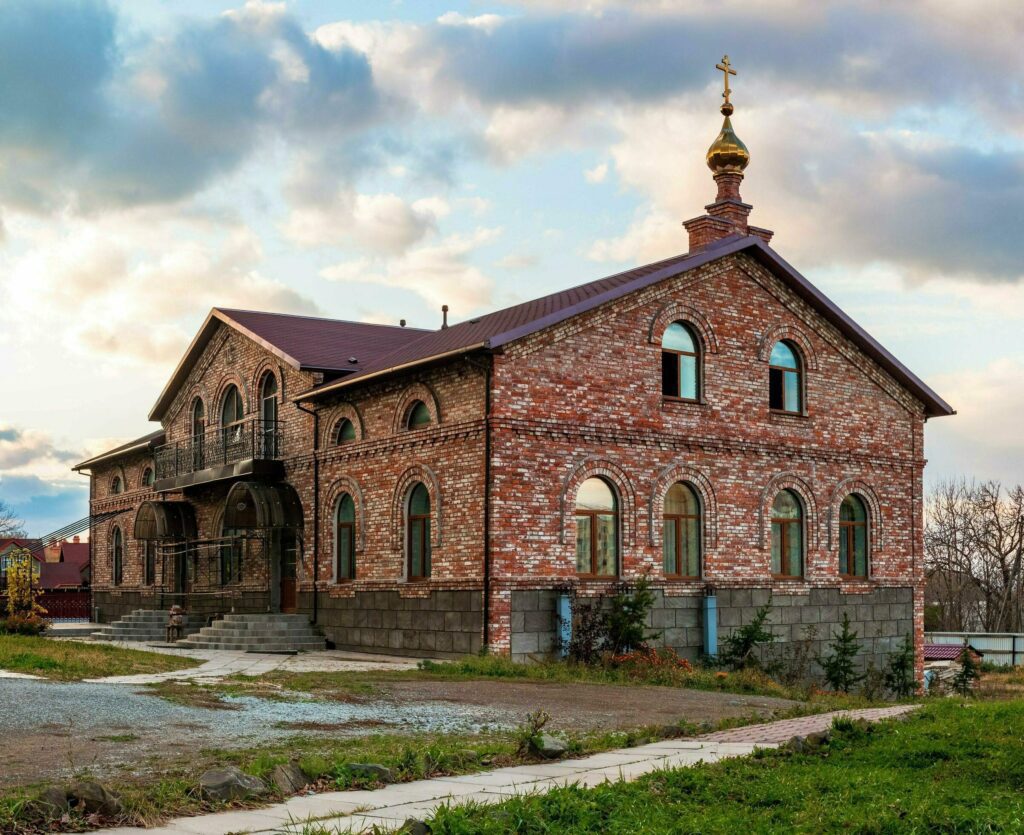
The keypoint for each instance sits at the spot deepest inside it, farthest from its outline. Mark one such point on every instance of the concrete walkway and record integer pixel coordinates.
(388, 808)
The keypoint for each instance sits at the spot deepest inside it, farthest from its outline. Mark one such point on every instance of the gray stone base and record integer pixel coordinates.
(881, 619)
(109, 607)
(446, 624)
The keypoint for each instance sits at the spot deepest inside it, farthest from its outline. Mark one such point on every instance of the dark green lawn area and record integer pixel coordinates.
(75, 660)
(952, 768)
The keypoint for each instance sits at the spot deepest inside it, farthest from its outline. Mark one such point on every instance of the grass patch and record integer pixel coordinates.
(75, 660)
(951, 767)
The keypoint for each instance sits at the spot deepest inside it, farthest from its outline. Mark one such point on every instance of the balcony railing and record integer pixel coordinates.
(247, 440)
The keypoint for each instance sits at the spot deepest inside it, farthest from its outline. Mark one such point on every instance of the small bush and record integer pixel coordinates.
(527, 735)
(838, 666)
(589, 630)
(739, 650)
(963, 681)
(899, 677)
(30, 624)
(791, 663)
(626, 622)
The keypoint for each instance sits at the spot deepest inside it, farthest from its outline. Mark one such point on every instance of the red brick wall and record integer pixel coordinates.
(584, 398)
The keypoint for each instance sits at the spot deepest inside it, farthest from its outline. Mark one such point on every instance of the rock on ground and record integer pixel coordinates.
(229, 783)
(549, 747)
(289, 778)
(92, 798)
(370, 771)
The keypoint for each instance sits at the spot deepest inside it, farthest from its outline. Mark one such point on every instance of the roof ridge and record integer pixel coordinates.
(230, 310)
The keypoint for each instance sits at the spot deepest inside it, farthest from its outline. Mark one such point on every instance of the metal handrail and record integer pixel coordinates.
(252, 438)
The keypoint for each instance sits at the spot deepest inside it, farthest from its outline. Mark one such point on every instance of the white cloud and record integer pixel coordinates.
(596, 174)
(486, 22)
(440, 273)
(25, 451)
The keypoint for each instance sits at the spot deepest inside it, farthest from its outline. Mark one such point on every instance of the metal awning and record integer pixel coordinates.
(165, 520)
(253, 504)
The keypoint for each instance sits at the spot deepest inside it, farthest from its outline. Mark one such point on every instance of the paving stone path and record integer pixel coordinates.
(389, 807)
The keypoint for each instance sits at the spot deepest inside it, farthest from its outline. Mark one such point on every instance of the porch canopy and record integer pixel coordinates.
(165, 520)
(255, 505)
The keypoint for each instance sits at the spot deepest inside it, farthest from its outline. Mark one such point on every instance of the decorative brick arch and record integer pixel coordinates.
(679, 312)
(876, 531)
(213, 419)
(792, 334)
(673, 474)
(340, 486)
(268, 365)
(789, 481)
(343, 410)
(592, 467)
(417, 391)
(117, 473)
(400, 505)
(197, 392)
(149, 463)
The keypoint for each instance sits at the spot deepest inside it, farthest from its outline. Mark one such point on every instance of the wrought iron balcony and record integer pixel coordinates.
(247, 448)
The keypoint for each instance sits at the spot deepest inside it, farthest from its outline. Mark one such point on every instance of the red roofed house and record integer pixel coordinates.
(712, 421)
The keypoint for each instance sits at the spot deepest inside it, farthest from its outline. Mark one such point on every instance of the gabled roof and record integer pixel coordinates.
(495, 330)
(303, 342)
(53, 575)
(146, 442)
(76, 553)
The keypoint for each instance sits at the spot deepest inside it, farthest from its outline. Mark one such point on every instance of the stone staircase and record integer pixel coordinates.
(149, 625)
(258, 633)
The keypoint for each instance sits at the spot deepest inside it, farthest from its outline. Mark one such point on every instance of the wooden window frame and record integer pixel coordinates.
(677, 518)
(785, 523)
(411, 409)
(593, 516)
(348, 530)
(848, 531)
(419, 525)
(783, 370)
(116, 486)
(336, 438)
(149, 563)
(117, 557)
(696, 354)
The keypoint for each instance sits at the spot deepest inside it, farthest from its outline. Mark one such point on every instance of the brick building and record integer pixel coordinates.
(712, 421)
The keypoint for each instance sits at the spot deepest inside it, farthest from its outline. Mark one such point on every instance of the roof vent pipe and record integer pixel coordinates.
(401, 323)
(444, 313)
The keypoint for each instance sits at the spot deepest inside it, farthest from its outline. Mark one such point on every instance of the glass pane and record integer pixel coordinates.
(691, 548)
(791, 380)
(795, 536)
(688, 377)
(606, 546)
(786, 506)
(346, 509)
(232, 410)
(852, 509)
(775, 398)
(669, 547)
(345, 552)
(426, 548)
(269, 385)
(346, 431)
(776, 548)
(416, 554)
(783, 356)
(680, 500)
(844, 545)
(583, 544)
(677, 337)
(419, 415)
(595, 494)
(669, 374)
(860, 549)
(419, 501)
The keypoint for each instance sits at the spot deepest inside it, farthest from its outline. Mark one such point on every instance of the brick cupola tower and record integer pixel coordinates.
(727, 158)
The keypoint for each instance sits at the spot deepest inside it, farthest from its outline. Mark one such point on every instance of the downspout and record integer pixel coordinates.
(487, 368)
(316, 506)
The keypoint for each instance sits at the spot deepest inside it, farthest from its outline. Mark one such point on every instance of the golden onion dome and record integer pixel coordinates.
(727, 153)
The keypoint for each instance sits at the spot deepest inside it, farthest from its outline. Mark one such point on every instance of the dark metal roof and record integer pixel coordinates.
(54, 575)
(494, 330)
(150, 441)
(305, 342)
(946, 652)
(253, 505)
(165, 520)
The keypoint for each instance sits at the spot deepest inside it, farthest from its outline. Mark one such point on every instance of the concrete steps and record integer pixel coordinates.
(145, 625)
(258, 633)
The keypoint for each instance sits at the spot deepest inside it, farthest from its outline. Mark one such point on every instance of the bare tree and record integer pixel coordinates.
(974, 554)
(10, 524)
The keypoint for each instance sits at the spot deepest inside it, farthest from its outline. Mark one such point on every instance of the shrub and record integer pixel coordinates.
(527, 735)
(589, 630)
(22, 598)
(968, 673)
(791, 662)
(838, 666)
(899, 677)
(739, 649)
(627, 617)
(23, 625)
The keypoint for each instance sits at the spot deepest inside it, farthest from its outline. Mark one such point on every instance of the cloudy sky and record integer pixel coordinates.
(373, 160)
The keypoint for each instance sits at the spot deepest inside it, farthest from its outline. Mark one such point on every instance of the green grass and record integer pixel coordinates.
(952, 768)
(74, 660)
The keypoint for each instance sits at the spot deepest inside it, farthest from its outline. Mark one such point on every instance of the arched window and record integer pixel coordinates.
(853, 537)
(597, 536)
(345, 537)
(117, 556)
(681, 541)
(268, 415)
(418, 544)
(419, 415)
(344, 432)
(680, 363)
(785, 383)
(116, 485)
(787, 535)
(231, 414)
(198, 433)
(147, 477)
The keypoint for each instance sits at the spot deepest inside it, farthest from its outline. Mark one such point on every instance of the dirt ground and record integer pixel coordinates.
(52, 731)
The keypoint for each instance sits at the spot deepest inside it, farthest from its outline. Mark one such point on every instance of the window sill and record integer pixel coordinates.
(786, 578)
(780, 414)
(668, 400)
(675, 578)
